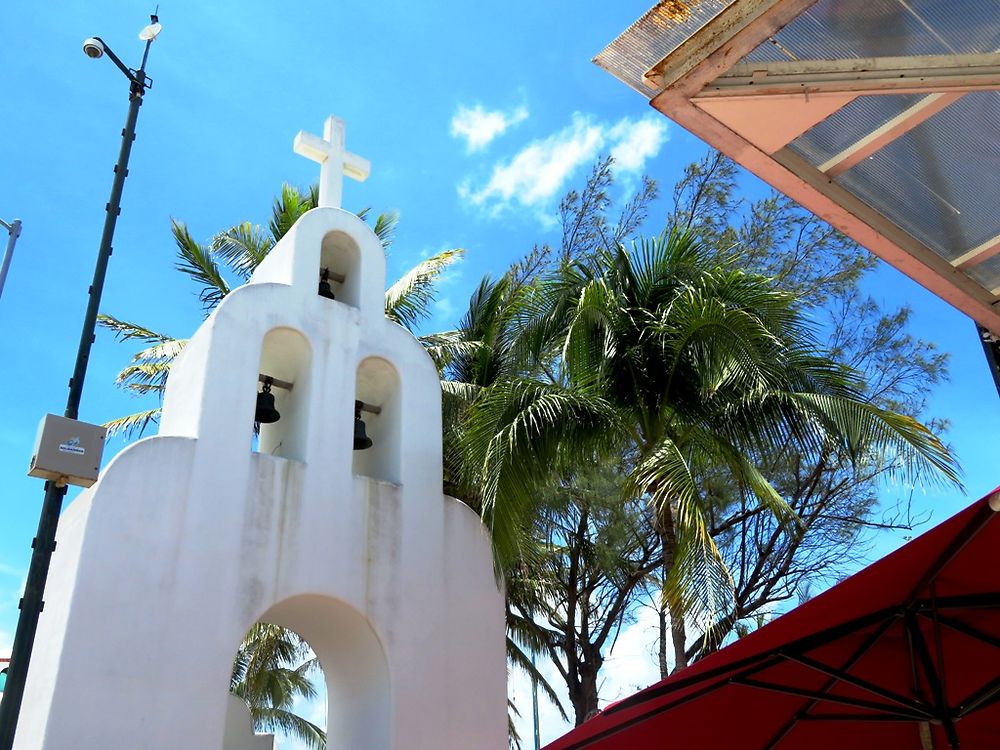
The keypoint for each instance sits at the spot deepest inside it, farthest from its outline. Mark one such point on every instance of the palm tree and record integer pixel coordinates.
(681, 362)
(273, 667)
(231, 257)
(470, 359)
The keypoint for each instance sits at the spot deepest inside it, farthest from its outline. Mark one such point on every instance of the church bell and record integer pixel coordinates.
(361, 439)
(325, 290)
(266, 413)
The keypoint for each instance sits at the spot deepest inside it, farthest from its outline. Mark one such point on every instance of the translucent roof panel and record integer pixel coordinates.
(841, 29)
(850, 124)
(654, 36)
(940, 181)
(987, 273)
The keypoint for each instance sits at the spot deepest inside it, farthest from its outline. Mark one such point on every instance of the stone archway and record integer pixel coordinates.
(354, 665)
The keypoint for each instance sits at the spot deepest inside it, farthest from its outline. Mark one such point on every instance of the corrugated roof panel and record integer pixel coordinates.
(987, 273)
(841, 29)
(849, 124)
(659, 32)
(940, 181)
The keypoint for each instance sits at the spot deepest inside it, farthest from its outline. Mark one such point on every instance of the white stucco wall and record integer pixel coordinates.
(239, 734)
(188, 538)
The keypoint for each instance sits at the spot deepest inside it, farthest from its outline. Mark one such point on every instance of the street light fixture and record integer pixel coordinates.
(44, 542)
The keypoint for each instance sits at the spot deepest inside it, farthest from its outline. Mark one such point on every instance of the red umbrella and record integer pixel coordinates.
(904, 655)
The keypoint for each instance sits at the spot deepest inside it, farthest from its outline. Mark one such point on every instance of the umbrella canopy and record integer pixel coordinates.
(903, 655)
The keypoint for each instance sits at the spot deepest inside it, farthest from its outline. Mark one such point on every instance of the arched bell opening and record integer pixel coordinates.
(277, 688)
(339, 273)
(377, 418)
(282, 409)
(350, 673)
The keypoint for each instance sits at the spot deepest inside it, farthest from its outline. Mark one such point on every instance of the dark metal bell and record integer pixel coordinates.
(361, 439)
(266, 413)
(325, 290)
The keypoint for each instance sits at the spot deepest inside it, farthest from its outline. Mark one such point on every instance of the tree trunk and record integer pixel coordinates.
(678, 630)
(662, 650)
(585, 699)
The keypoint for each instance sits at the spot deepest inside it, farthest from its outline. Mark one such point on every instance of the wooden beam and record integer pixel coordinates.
(978, 254)
(723, 42)
(818, 193)
(868, 75)
(878, 139)
(268, 380)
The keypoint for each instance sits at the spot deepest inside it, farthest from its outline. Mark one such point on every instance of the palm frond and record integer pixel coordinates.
(243, 247)
(407, 302)
(165, 351)
(520, 659)
(385, 225)
(289, 208)
(464, 392)
(271, 720)
(143, 376)
(513, 738)
(664, 476)
(195, 260)
(699, 582)
(143, 389)
(125, 331)
(869, 433)
(516, 437)
(444, 346)
(132, 425)
(385, 228)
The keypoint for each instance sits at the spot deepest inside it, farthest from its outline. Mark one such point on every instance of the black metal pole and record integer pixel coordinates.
(991, 347)
(13, 232)
(45, 540)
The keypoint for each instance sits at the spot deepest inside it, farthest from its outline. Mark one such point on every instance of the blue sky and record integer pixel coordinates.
(476, 117)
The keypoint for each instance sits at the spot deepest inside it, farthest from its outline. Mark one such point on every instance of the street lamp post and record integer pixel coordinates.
(13, 232)
(991, 348)
(44, 542)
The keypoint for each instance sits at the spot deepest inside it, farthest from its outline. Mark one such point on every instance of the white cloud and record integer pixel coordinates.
(479, 126)
(10, 570)
(538, 173)
(443, 308)
(636, 142)
(633, 664)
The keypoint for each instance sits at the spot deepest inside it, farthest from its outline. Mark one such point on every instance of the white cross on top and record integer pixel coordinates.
(334, 160)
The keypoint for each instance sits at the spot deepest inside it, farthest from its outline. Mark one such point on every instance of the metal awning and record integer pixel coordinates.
(880, 116)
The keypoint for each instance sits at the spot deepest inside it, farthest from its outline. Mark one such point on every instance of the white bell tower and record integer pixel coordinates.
(190, 537)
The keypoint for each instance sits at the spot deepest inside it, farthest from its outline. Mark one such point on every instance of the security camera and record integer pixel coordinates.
(93, 47)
